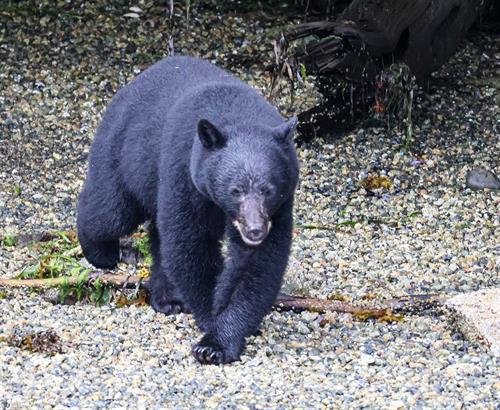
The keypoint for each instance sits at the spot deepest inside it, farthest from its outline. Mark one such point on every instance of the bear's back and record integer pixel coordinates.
(184, 87)
(174, 77)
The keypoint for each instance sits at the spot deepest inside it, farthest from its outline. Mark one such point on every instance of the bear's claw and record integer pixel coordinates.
(170, 308)
(208, 355)
(208, 351)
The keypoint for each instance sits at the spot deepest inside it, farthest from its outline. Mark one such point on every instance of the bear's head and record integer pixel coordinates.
(247, 171)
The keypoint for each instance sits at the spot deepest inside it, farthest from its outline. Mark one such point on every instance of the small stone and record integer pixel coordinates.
(481, 178)
(366, 359)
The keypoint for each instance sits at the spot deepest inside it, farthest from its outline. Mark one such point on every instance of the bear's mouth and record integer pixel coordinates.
(250, 237)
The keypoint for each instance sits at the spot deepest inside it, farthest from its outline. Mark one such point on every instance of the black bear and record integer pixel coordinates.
(200, 154)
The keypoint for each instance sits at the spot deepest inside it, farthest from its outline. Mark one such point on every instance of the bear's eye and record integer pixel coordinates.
(236, 191)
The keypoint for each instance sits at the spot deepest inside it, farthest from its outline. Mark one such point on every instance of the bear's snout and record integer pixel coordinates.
(252, 223)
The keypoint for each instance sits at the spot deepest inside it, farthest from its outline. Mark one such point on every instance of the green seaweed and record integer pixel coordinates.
(59, 256)
(9, 240)
(143, 246)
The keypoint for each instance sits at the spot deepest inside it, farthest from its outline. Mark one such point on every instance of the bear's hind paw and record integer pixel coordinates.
(169, 308)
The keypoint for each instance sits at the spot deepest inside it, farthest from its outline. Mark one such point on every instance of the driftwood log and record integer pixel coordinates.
(371, 34)
(366, 38)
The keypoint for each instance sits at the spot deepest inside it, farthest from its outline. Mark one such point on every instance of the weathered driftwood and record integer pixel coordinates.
(371, 34)
(378, 309)
(351, 55)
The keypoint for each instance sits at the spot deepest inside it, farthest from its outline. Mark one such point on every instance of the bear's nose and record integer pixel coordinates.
(255, 233)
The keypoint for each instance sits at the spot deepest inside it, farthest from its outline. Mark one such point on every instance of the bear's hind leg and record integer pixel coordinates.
(101, 254)
(105, 213)
(164, 298)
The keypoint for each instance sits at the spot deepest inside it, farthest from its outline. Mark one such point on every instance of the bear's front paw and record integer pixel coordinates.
(209, 351)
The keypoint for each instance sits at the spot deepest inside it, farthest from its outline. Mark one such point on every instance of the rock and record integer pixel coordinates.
(366, 359)
(480, 178)
(478, 316)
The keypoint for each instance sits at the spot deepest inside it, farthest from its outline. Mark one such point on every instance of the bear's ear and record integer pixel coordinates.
(210, 136)
(284, 132)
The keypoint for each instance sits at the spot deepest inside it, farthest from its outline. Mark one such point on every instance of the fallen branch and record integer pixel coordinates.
(376, 309)
(40, 283)
(299, 304)
(107, 278)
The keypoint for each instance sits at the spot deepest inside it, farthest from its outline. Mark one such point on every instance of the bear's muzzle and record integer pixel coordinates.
(252, 223)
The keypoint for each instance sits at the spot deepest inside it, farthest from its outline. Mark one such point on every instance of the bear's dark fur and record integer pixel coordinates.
(200, 154)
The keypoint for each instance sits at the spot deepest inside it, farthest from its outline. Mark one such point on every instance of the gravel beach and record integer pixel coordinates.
(60, 64)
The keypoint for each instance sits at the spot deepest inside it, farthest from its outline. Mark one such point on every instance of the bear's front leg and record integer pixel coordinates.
(190, 252)
(164, 297)
(245, 292)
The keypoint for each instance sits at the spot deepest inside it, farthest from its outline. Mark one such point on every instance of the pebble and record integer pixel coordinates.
(479, 178)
